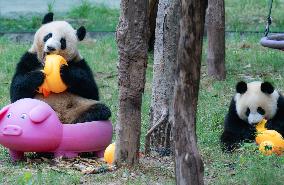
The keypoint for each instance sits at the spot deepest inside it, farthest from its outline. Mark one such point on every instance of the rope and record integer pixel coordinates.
(269, 19)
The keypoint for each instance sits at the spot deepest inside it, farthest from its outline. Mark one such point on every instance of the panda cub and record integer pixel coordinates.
(252, 102)
(80, 101)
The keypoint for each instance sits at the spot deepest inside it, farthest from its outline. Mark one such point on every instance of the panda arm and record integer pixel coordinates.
(230, 139)
(27, 78)
(235, 130)
(79, 79)
(277, 122)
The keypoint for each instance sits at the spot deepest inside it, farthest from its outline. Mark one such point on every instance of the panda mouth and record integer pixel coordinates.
(44, 56)
(45, 53)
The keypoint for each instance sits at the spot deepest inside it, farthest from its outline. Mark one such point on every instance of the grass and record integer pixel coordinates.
(251, 15)
(94, 18)
(21, 24)
(241, 15)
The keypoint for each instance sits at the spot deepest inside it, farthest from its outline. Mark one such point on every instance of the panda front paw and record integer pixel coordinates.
(64, 73)
(36, 79)
(229, 142)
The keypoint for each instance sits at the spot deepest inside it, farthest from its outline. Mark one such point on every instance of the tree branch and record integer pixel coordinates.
(162, 119)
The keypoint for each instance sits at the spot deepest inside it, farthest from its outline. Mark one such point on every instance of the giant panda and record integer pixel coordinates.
(80, 102)
(252, 102)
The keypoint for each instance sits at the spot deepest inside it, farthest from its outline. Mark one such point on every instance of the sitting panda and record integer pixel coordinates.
(79, 103)
(252, 102)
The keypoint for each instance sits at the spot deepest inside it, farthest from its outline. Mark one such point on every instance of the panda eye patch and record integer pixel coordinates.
(48, 36)
(63, 43)
(247, 112)
(260, 110)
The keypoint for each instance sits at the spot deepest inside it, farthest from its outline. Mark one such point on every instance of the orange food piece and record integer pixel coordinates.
(269, 141)
(270, 135)
(109, 153)
(53, 82)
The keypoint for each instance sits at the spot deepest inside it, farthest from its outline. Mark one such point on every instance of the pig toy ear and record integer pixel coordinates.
(3, 111)
(39, 113)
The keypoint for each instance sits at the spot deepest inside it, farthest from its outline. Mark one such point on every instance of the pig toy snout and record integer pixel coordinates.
(12, 130)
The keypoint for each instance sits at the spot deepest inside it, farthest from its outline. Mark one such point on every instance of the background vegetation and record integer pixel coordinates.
(241, 15)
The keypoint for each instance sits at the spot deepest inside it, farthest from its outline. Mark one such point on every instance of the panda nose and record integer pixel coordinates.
(50, 48)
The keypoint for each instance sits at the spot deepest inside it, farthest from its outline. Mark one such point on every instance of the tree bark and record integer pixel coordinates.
(216, 39)
(132, 38)
(165, 53)
(188, 162)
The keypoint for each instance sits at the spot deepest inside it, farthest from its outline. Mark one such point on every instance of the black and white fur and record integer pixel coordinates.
(58, 37)
(251, 103)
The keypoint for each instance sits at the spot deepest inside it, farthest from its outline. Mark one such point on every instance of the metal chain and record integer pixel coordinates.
(269, 19)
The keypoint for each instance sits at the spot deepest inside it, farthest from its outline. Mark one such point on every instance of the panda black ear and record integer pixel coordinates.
(47, 18)
(267, 88)
(81, 33)
(241, 87)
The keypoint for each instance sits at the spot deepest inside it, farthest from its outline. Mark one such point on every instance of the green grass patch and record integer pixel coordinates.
(94, 18)
(21, 24)
(241, 15)
(251, 15)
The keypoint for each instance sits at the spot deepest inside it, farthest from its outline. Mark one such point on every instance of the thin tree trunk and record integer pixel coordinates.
(216, 39)
(132, 38)
(165, 53)
(189, 165)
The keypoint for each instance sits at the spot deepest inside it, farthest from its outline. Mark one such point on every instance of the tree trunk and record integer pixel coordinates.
(153, 8)
(132, 38)
(165, 53)
(188, 162)
(216, 39)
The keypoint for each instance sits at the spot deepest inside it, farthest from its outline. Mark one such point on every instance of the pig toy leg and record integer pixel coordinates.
(66, 154)
(16, 156)
(100, 153)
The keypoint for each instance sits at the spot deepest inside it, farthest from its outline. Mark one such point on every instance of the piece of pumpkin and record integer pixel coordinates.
(109, 154)
(53, 82)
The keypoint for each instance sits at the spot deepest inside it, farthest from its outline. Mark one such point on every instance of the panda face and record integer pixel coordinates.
(57, 37)
(52, 44)
(255, 101)
(55, 43)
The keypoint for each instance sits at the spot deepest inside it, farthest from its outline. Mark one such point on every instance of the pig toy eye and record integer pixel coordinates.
(23, 116)
(9, 115)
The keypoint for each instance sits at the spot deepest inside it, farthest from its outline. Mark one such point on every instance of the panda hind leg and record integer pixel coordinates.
(96, 112)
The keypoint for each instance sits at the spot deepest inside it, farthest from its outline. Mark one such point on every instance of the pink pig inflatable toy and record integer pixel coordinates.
(30, 125)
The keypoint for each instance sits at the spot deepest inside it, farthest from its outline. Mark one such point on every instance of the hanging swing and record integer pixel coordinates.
(274, 41)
